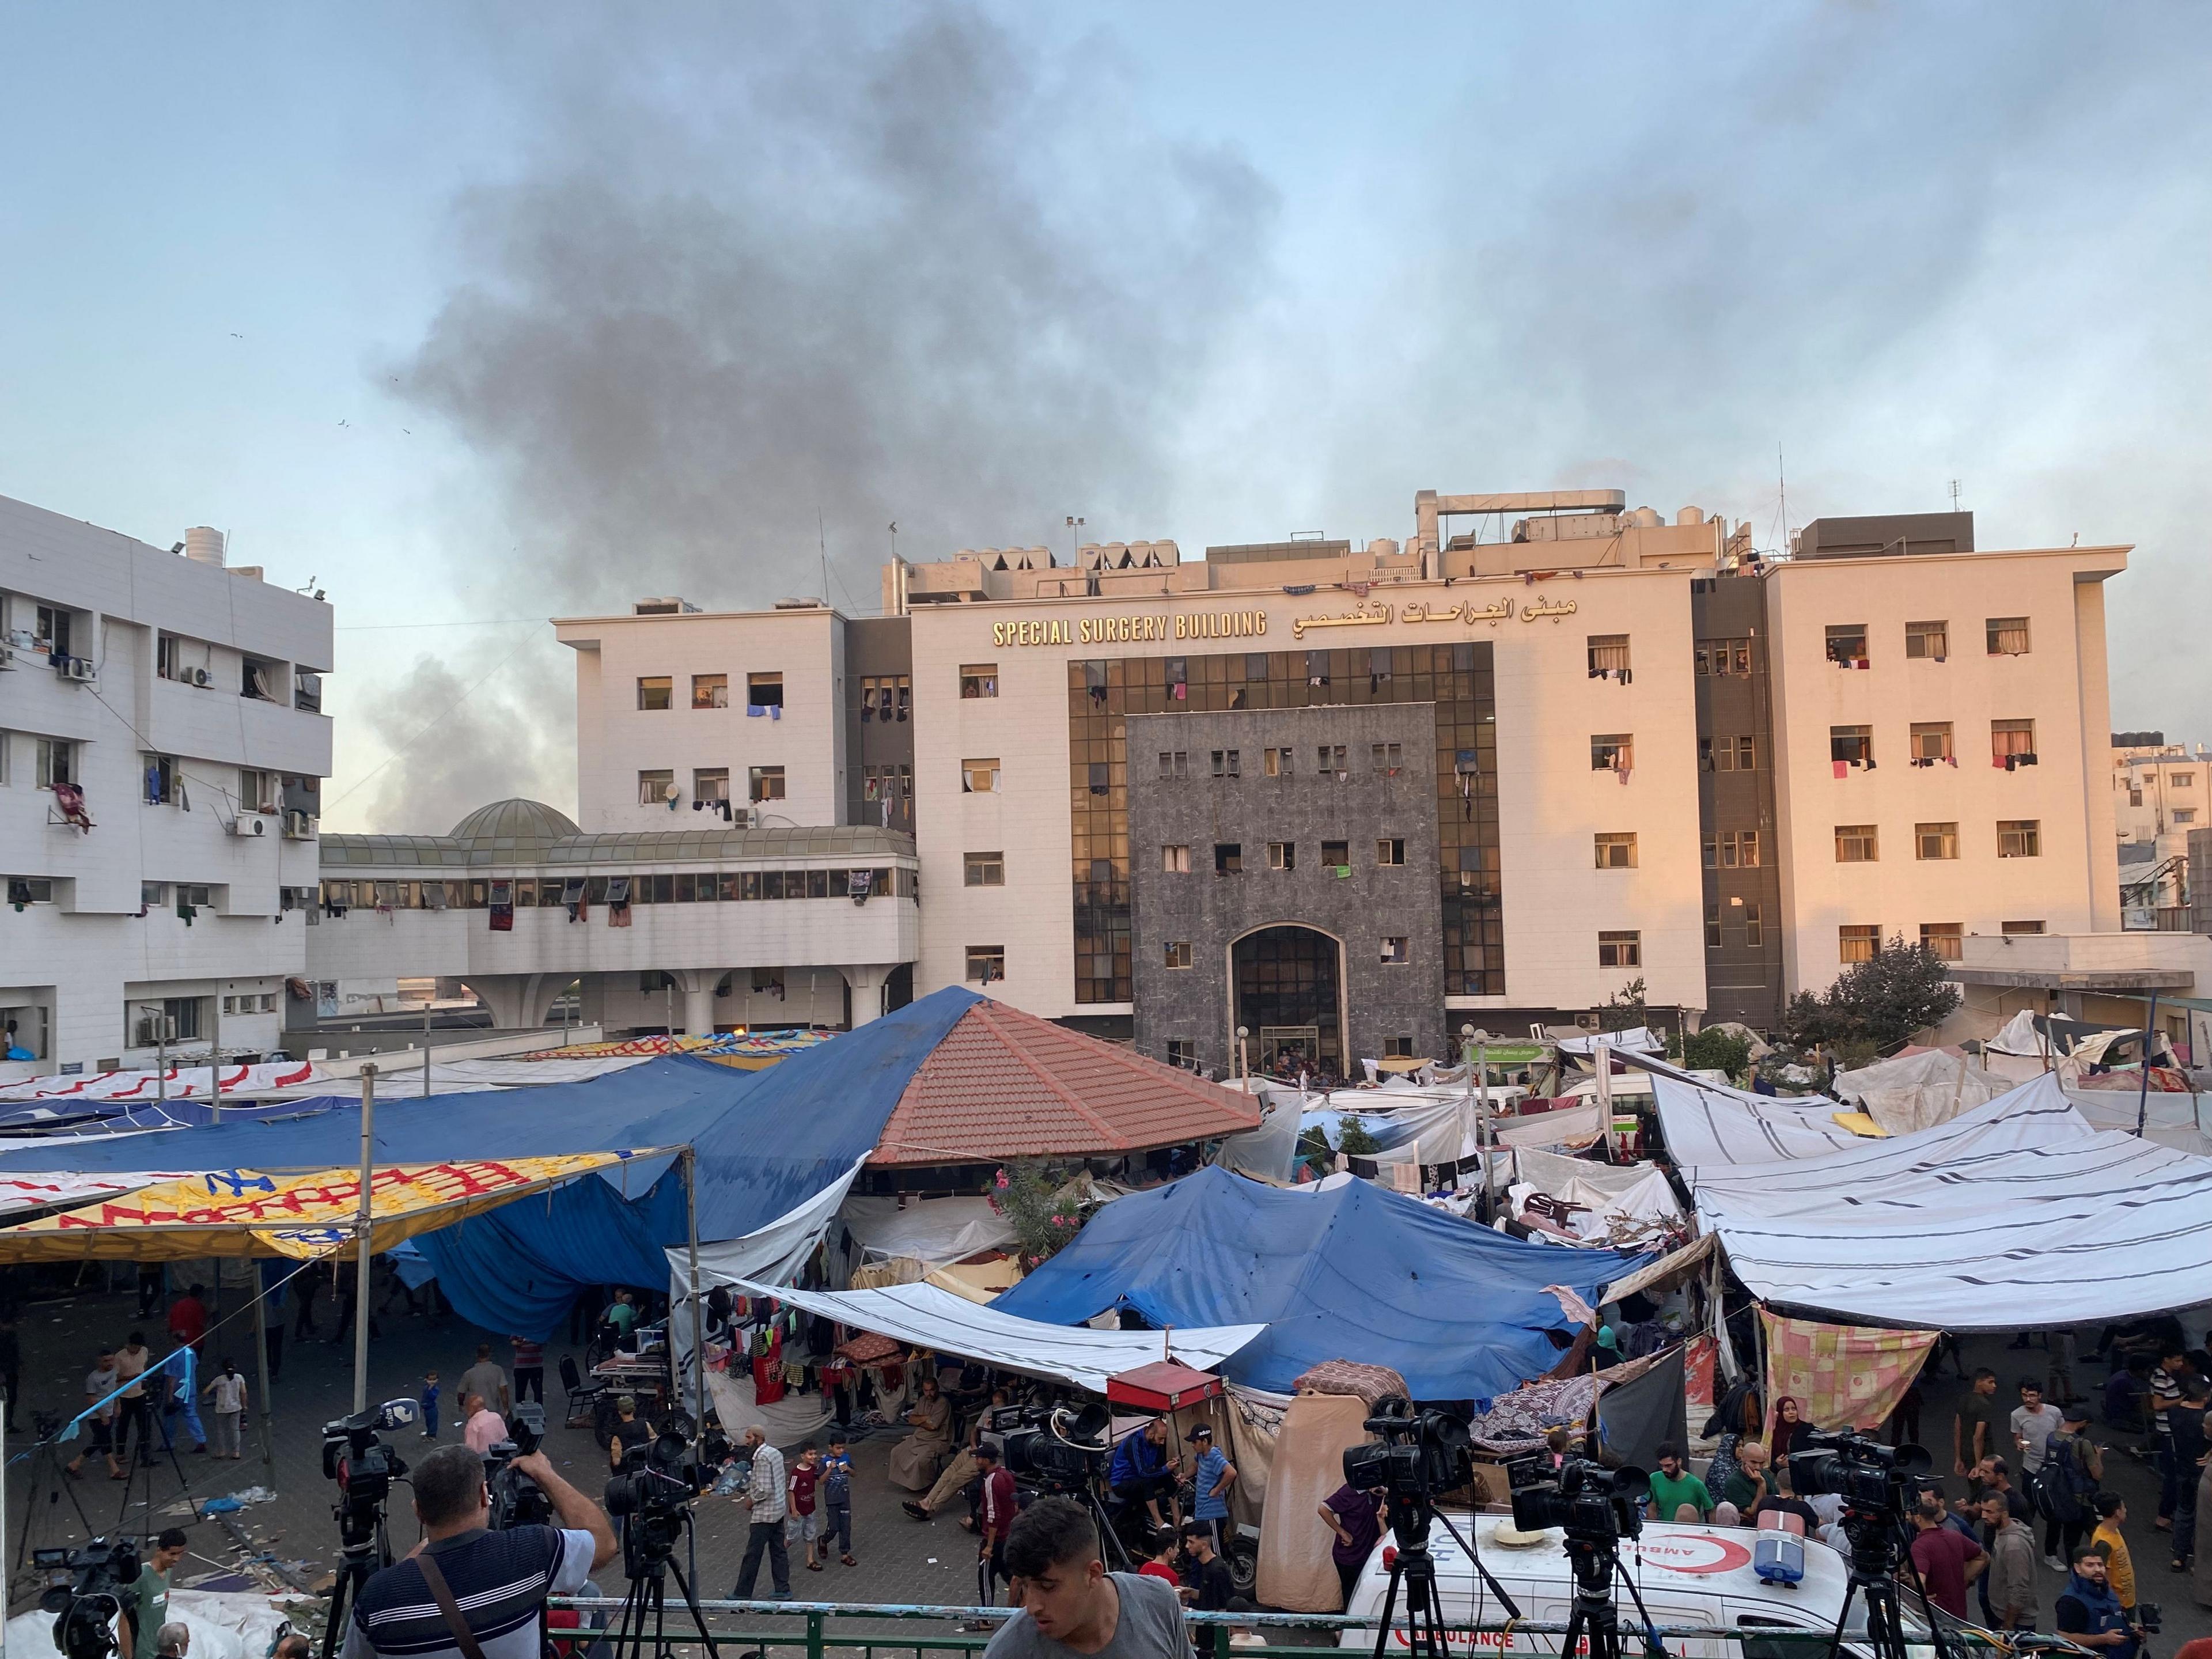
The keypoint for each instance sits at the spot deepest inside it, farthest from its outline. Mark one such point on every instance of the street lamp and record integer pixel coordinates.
(1479, 1042)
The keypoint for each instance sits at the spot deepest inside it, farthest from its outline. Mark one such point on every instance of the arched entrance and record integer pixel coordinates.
(1286, 984)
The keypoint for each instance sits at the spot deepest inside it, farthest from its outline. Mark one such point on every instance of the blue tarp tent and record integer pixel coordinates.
(1351, 1272)
(765, 1141)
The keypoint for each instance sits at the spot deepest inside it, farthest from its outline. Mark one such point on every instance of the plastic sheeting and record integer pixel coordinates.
(2018, 1205)
(149, 1084)
(1712, 1124)
(938, 1320)
(1911, 1092)
(1351, 1272)
(1268, 1152)
(1640, 1040)
(930, 1231)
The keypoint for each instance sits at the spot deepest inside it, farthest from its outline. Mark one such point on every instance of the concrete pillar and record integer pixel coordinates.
(867, 984)
(696, 987)
(518, 1002)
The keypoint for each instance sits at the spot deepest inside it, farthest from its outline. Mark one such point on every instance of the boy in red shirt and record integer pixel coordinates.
(804, 1525)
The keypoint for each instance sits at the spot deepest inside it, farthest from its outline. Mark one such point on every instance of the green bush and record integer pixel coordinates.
(1718, 1051)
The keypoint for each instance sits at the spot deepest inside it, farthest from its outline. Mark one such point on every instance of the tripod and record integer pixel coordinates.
(362, 1554)
(1873, 1563)
(1596, 1561)
(1415, 1570)
(46, 1471)
(647, 1601)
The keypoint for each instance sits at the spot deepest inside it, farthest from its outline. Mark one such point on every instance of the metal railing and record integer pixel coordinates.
(804, 1627)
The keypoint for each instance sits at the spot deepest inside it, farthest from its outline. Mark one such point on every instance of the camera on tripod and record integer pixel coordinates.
(656, 1495)
(1585, 1500)
(85, 1591)
(1858, 1468)
(1063, 1452)
(364, 1467)
(1420, 1452)
(516, 1499)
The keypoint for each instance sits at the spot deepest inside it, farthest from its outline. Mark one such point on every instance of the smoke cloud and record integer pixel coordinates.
(496, 741)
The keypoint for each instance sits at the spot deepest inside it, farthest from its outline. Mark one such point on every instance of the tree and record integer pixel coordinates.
(1624, 1010)
(1044, 1220)
(1883, 1000)
(1353, 1141)
(1716, 1050)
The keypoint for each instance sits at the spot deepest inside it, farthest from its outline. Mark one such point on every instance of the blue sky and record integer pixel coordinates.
(476, 313)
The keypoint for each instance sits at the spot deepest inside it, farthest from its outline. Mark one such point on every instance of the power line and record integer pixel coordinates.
(435, 721)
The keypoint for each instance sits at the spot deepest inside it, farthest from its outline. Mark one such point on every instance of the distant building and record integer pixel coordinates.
(162, 749)
(2161, 794)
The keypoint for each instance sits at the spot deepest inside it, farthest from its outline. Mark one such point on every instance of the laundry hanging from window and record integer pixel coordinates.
(572, 896)
(618, 901)
(501, 907)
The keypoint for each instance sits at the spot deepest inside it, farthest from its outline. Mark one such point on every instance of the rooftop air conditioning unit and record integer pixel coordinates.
(80, 668)
(249, 826)
(297, 826)
(197, 675)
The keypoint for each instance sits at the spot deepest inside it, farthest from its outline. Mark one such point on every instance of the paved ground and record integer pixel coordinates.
(901, 1560)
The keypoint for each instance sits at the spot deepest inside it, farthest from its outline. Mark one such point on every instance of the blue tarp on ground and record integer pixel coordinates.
(766, 1142)
(1351, 1272)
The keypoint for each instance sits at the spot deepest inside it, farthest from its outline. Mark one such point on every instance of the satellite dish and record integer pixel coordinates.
(671, 792)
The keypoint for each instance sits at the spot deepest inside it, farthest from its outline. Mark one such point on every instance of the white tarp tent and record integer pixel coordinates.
(2019, 1208)
(1267, 1152)
(1639, 1041)
(1710, 1124)
(937, 1319)
(1910, 1093)
(929, 1229)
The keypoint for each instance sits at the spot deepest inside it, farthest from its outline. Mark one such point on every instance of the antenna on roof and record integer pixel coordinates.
(1955, 495)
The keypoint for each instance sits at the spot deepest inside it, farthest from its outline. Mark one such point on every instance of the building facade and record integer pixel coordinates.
(162, 749)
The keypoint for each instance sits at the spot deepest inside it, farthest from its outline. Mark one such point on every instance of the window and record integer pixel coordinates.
(885, 697)
(1754, 932)
(307, 691)
(1712, 850)
(764, 694)
(1728, 755)
(161, 777)
(2012, 743)
(1935, 840)
(2180, 780)
(979, 777)
(1282, 855)
(1177, 953)
(653, 691)
(57, 762)
(1854, 843)
(2184, 815)
(2134, 796)
(1228, 858)
(1747, 754)
(2007, 636)
(710, 691)
(1613, 751)
(1616, 850)
(1100, 776)
(1391, 852)
(1330, 757)
(1182, 1052)
(767, 783)
(1928, 641)
(986, 963)
(1621, 950)
(2021, 929)
(1174, 765)
(654, 788)
(167, 657)
(1337, 855)
(30, 889)
(1176, 861)
(1398, 1045)
(2020, 838)
(153, 895)
(1931, 742)
(1847, 644)
(258, 679)
(1738, 847)
(1724, 656)
(1945, 940)
(1851, 745)
(1227, 763)
(979, 679)
(1393, 949)
(1608, 654)
(1389, 758)
(1275, 763)
(986, 869)
(1858, 942)
(710, 783)
(52, 631)
(1713, 927)
(258, 790)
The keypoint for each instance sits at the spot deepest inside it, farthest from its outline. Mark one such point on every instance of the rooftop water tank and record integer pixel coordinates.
(204, 546)
(1690, 515)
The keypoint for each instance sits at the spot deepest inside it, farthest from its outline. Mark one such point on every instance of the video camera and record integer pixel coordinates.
(1868, 1475)
(1061, 1450)
(516, 1499)
(1585, 1500)
(656, 1495)
(85, 1591)
(1420, 1452)
(364, 1467)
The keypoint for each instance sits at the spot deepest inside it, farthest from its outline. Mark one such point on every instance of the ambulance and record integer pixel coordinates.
(1687, 1575)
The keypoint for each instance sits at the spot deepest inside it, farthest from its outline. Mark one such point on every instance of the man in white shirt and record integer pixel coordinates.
(768, 1499)
(2033, 1423)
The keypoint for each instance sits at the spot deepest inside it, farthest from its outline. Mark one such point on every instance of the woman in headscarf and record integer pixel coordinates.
(1789, 1425)
(1607, 1354)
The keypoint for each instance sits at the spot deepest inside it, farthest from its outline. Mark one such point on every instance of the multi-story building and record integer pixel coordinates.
(1347, 799)
(2161, 797)
(162, 749)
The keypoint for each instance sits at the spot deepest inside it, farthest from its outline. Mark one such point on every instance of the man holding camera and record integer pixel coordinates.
(414, 1606)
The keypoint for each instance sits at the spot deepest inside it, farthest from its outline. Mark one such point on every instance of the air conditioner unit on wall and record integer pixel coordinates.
(81, 668)
(197, 675)
(298, 826)
(153, 1028)
(248, 826)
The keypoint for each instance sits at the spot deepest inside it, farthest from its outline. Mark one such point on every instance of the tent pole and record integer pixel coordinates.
(215, 1067)
(2142, 1094)
(361, 1249)
(698, 1329)
(432, 997)
(261, 1359)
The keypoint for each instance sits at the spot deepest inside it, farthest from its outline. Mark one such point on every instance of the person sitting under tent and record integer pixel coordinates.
(959, 1478)
(1139, 1472)
(915, 1460)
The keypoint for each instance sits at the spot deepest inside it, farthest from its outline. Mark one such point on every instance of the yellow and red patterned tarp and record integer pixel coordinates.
(248, 1212)
(1842, 1376)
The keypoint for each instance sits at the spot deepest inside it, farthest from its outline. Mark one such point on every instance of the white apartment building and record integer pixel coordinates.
(2162, 795)
(162, 757)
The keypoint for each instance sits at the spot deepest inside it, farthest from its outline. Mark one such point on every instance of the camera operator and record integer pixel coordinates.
(146, 1603)
(414, 1605)
(1139, 1472)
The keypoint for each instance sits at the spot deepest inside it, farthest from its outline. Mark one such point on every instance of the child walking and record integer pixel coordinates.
(803, 1524)
(837, 1501)
(227, 1392)
(430, 1405)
